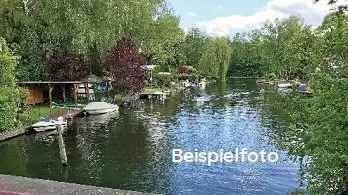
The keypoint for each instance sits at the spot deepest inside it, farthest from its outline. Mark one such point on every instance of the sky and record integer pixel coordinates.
(226, 17)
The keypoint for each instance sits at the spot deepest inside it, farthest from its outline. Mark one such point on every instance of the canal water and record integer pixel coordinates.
(132, 150)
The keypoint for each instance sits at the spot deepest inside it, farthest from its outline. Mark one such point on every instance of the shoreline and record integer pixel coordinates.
(8, 135)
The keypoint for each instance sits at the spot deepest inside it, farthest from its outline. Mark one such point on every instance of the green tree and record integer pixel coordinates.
(194, 46)
(215, 59)
(164, 44)
(287, 49)
(282, 49)
(38, 29)
(8, 88)
(294, 49)
(246, 55)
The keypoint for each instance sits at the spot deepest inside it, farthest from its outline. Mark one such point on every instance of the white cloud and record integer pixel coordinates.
(311, 13)
(220, 6)
(192, 14)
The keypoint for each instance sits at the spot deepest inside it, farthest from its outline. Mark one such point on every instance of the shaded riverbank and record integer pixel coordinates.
(35, 115)
(12, 134)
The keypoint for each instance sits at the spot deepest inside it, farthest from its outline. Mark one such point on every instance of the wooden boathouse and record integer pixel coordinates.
(39, 92)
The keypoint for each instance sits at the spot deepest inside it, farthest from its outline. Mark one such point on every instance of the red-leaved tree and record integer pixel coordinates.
(124, 65)
(66, 67)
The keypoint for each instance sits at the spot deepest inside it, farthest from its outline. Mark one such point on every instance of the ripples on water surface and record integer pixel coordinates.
(132, 150)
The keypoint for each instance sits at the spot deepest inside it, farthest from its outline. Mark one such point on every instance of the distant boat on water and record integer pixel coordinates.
(304, 89)
(284, 85)
(96, 108)
(203, 84)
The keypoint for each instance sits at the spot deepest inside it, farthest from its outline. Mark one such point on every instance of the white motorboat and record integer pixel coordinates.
(60, 122)
(95, 108)
(284, 85)
(202, 99)
(203, 84)
(48, 125)
(44, 126)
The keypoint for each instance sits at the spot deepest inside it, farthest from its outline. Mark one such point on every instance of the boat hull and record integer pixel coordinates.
(43, 129)
(100, 111)
(96, 108)
(285, 85)
(48, 126)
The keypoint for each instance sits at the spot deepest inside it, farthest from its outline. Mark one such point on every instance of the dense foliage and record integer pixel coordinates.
(326, 124)
(164, 44)
(66, 67)
(36, 29)
(283, 49)
(8, 88)
(318, 127)
(194, 46)
(48, 32)
(215, 59)
(124, 66)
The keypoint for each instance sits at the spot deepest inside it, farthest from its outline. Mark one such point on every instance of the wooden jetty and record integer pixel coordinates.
(153, 94)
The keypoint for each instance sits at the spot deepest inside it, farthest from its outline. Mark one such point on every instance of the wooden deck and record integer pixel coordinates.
(153, 94)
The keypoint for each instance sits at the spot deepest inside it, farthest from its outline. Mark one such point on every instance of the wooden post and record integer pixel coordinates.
(50, 89)
(64, 93)
(87, 91)
(151, 78)
(75, 93)
(62, 151)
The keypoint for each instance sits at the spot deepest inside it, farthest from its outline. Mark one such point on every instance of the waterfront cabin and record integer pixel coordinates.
(40, 92)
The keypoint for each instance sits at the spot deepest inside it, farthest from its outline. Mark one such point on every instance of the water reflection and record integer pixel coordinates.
(132, 150)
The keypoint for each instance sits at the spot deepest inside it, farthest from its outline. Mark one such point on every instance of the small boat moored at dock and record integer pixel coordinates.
(96, 108)
(44, 126)
(48, 125)
(202, 84)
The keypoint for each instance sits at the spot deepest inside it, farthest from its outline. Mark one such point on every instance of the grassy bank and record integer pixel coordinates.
(35, 113)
